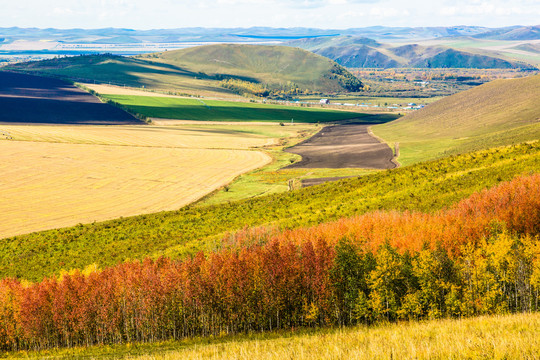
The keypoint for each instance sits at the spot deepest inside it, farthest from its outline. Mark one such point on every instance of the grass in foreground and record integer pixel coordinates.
(424, 187)
(487, 337)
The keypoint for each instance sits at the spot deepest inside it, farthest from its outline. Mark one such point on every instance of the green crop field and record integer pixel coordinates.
(426, 187)
(217, 110)
(374, 100)
(501, 112)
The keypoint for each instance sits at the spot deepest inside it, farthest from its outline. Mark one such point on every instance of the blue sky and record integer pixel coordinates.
(339, 14)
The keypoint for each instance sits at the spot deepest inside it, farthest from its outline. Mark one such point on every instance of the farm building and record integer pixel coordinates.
(325, 101)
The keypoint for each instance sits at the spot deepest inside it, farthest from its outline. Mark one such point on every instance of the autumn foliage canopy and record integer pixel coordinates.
(482, 256)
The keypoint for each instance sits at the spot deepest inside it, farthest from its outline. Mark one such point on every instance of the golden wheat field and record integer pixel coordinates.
(122, 90)
(225, 137)
(64, 175)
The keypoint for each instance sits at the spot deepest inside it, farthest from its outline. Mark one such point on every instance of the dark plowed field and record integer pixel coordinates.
(343, 146)
(34, 99)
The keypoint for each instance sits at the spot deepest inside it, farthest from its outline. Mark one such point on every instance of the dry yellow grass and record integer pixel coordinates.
(203, 84)
(488, 337)
(121, 90)
(140, 135)
(508, 337)
(64, 175)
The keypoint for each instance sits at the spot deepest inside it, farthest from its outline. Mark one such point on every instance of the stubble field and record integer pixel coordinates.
(55, 176)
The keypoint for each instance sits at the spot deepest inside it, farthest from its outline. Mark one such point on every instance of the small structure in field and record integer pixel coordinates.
(325, 101)
(6, 135)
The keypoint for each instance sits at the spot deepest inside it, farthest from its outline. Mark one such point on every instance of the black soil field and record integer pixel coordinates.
(343, 146)
(34, 99)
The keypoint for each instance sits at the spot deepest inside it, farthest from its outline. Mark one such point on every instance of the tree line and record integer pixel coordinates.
(481, 256)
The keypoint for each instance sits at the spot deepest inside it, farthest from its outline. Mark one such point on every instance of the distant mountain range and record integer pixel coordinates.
(376, 46)
(116, 35)
(361, 52)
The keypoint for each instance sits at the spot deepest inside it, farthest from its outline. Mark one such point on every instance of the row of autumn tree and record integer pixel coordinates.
(482, 256)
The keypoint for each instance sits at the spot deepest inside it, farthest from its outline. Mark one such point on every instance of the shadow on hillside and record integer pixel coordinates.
(49, 111)
(33, 99)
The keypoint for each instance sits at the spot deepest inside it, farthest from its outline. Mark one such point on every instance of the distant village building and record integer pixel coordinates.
(325, 101)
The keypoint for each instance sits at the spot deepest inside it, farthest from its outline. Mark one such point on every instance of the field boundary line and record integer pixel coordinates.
(394, 149)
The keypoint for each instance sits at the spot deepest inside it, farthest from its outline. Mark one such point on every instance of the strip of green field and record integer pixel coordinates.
(373, 100)
(424, 187)
(217, 110)
(487, 337)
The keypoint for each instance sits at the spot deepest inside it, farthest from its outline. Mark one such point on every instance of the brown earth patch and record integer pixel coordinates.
(34, 99)
(343, 146)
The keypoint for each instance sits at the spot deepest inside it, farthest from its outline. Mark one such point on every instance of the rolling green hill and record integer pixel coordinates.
(497, 113)
(272, 65)
(202, 70)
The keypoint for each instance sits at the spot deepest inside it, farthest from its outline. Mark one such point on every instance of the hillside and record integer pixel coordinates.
(360, 52)
(497, 113)
(377, 267)
(423, 187)
(512, 33)
(209, 69)
(272, 65)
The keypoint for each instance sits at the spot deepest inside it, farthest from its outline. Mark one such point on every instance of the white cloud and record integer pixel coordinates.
(495, 10)
(145, 14)
(388, 12)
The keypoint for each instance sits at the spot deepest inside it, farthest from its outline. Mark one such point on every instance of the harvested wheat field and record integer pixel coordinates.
(122, 90)
(49, 185)
(140, 135)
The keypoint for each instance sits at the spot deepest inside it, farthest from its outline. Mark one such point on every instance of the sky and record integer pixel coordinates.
(325, 14)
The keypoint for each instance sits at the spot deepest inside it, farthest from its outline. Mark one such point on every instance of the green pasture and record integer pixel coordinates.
(218, 110)
(373, 100)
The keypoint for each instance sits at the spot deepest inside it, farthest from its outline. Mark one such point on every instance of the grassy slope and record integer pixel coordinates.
(426, 187)
(505, 337)
(498, 113)
(198, 70)
(267, 64)
(216, 110)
